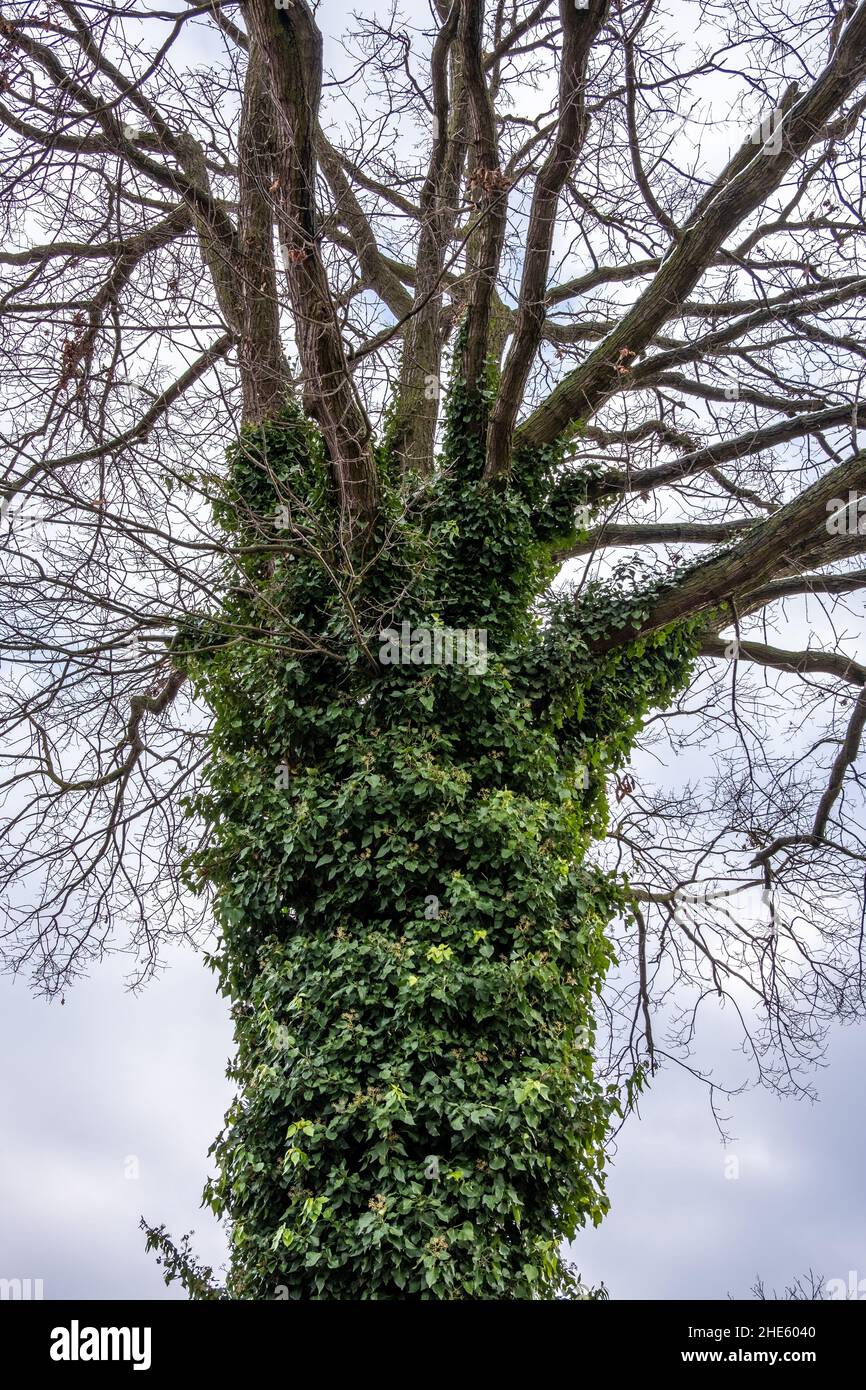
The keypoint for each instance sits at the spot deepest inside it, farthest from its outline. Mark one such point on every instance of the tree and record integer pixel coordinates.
(330, 389)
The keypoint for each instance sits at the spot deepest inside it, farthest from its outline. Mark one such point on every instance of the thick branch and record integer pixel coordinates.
(415, 424)
(770, 546)
(726, 450)
(579, 28)
(752, 174)
(657, 533)
(292, 47)
(803, 663)
(263, 367)
(489, 189)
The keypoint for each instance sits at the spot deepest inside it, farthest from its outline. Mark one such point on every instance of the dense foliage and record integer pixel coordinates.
(412, 937)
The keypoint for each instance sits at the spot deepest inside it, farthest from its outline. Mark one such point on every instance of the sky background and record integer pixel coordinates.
(109, 1076)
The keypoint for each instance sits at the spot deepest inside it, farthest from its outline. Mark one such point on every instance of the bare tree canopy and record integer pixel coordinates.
(649, 217)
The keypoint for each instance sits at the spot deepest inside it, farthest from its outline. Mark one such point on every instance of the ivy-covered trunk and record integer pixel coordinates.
(413, 938)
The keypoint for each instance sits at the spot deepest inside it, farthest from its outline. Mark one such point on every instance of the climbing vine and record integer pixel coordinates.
(412, 935)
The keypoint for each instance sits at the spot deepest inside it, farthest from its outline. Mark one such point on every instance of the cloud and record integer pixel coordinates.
(110, 1076)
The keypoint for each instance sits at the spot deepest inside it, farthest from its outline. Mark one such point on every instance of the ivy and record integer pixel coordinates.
(412, 936)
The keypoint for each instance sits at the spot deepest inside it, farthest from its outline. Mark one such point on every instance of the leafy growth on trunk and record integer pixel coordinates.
(412, 935)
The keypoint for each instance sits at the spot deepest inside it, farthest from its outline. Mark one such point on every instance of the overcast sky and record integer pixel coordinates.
(109, 1077)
